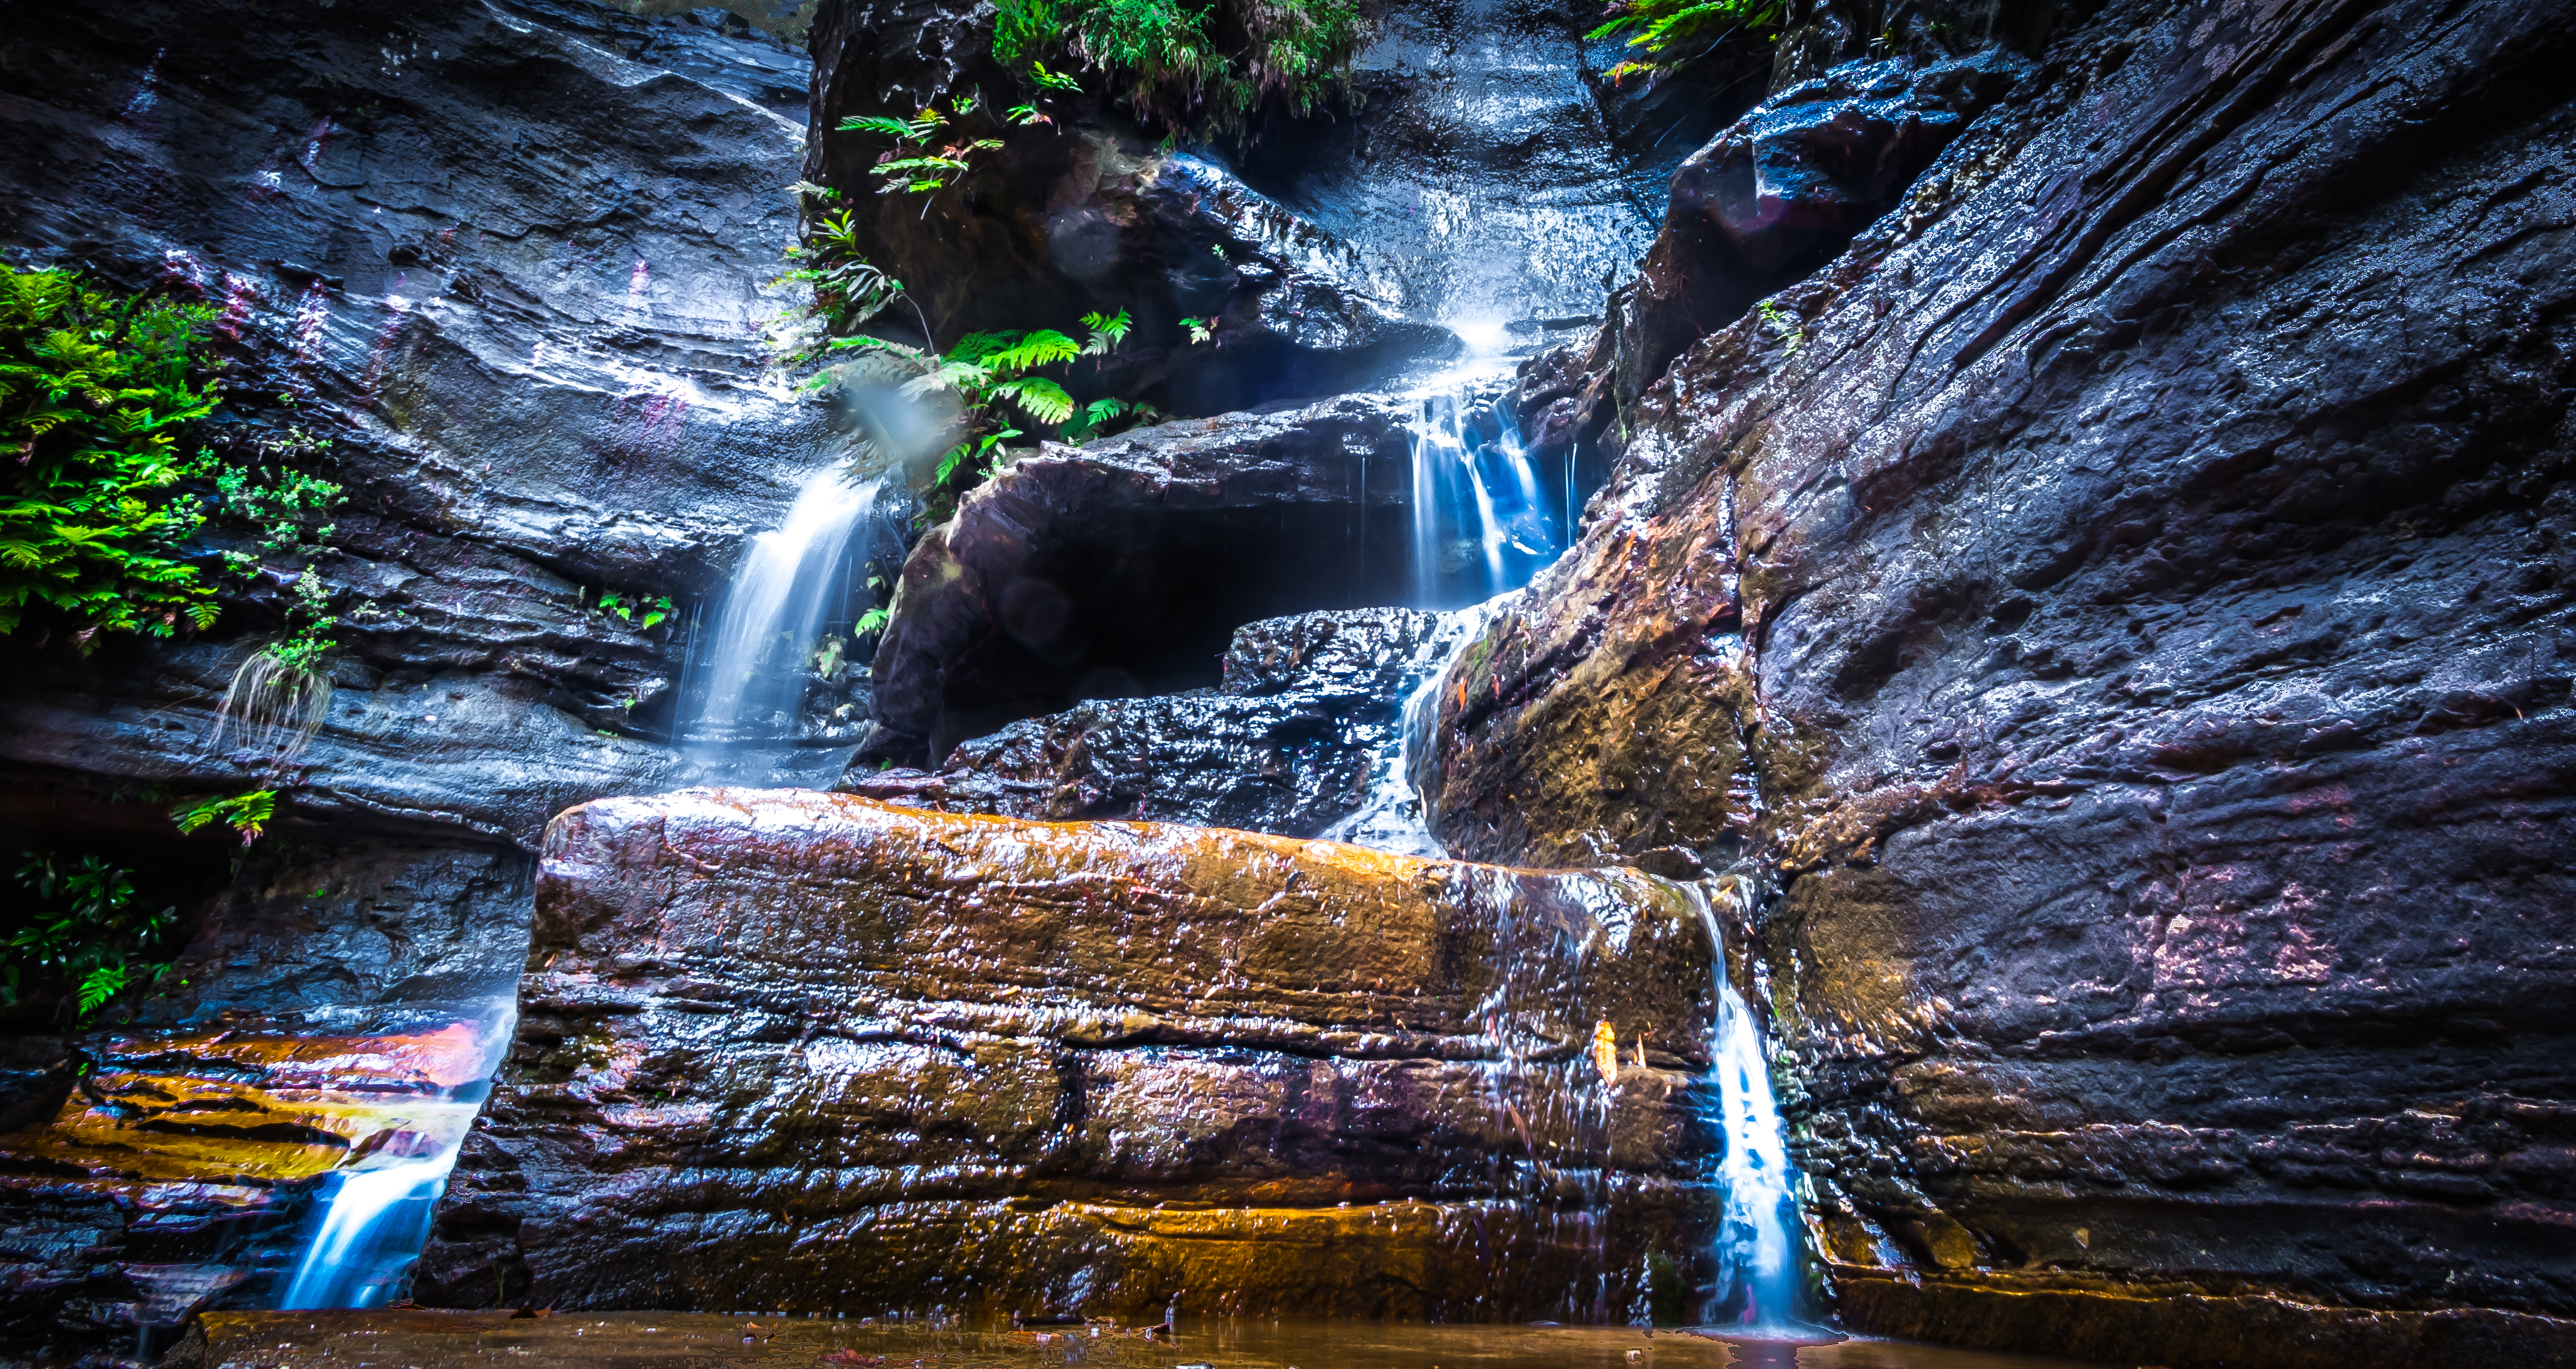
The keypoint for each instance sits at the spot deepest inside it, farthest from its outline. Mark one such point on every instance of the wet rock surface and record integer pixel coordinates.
(1088, 212)
(1123, 567)
(1779, 194)
(160, 1174)
(1286, 744)
(513, 277)
(2121, 604)
(1095, 1067)
(509, 264)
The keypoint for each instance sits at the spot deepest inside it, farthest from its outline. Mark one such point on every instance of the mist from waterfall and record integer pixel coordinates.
(750, 675)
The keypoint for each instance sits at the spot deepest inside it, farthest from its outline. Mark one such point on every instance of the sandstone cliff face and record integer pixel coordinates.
(808, 1052)
(1289, 743)
(2123, 605)
(509, 262)
(513, 276)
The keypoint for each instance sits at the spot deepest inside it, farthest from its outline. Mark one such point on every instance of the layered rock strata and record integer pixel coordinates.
(1123, 567)
(509, 264)
(154, 1175)
(1288, 743)
(809, 1052)
(2122, 604)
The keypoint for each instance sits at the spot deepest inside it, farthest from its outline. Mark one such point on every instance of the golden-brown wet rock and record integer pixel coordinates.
(794, 1050)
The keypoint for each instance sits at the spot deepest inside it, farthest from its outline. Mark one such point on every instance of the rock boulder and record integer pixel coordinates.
(798, 1051)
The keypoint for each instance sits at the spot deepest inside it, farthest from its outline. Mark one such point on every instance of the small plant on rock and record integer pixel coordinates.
(247, 814)
(1194, 69)
(1664, 34)
(991, 378)
(279, 695)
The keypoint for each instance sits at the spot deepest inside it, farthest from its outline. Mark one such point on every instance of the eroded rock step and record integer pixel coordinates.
(812, 1052)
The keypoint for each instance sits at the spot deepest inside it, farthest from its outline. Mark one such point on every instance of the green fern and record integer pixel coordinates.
(1662, 34)
(93, 391)
(77, 924)
(1195, 68)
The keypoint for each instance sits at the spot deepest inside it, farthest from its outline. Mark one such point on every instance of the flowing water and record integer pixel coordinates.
(415, 1108)
(1757, 1244)
(749, 682)
(1392, 818)
(1484, 519)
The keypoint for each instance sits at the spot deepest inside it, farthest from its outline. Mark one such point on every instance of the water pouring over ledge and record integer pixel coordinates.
(748, 678)
(414, 1095)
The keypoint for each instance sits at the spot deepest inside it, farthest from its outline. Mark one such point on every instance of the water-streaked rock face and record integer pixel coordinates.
(2124, 604)
(800, 1051)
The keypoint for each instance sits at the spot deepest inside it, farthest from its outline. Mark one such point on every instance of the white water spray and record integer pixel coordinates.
(373, 1224)
(1757, 1242)
(766, 627)
(1482, 523)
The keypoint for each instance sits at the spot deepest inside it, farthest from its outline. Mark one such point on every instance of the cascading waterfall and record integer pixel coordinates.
(373, 1224)
(1757, 1241)
(752, 677)
(1483, 519)
(1392, 818)
(1484, 522)
(374, 1211)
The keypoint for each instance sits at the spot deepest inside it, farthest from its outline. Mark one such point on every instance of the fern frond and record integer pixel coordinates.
(1038, 397)
(1035, 348)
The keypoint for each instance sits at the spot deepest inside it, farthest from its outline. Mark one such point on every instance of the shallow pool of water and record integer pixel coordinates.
(644, 1340)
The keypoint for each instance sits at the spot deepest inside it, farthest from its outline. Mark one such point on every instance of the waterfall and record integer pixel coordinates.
(1483, 520)
(1483, 523)
(1391, 817)
(423, 1091)
(753, 675)
(1757, 1241)
(373, 1224)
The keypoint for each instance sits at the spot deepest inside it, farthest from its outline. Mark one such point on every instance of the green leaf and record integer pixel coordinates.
(100, 985)
(247, 814)
(1107, 331)
(898, 129)
(1032, 349)
(1039, 398)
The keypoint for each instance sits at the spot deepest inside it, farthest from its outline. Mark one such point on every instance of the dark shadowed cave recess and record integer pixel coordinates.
(1143, 602)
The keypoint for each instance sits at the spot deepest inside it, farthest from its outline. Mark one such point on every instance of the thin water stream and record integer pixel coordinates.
(751, 678)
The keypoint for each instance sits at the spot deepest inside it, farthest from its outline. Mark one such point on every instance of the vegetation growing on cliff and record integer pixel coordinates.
(1664, 34)
(78, 924)
(992, 376)
(1194, 69)
(93, 392)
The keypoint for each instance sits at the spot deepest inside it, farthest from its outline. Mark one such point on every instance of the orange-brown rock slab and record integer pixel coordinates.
(796, 1050)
